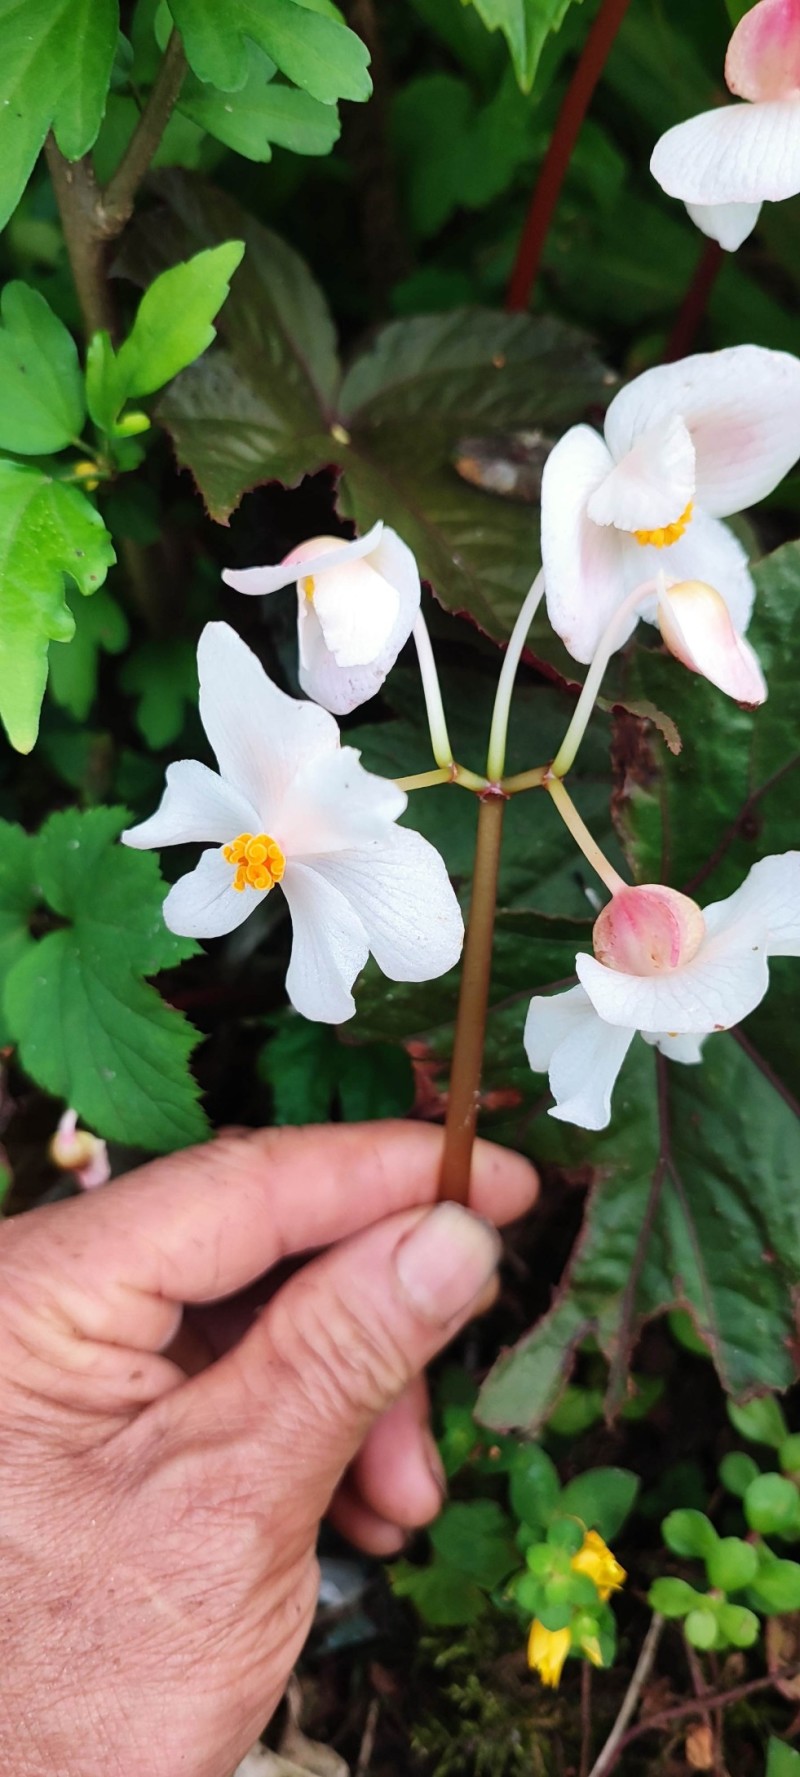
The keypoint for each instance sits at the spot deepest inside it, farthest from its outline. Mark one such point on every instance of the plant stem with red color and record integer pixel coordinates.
(473, 1001)
(693, 308)
(547, 190)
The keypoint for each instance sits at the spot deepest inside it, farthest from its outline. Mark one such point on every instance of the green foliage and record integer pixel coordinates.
(782, 1760)
(174, 319)
(75, 1000)
(262, 113)
(41, 390)
(306, 41)
(526, 25)
(41, 87)
(313, 1076)
(100, 627)
(49, 532)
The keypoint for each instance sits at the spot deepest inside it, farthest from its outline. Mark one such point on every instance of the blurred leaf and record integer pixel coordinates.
(163, 677)
(261, 113)
(535, 1487)
(782, 1760)
(271, 406)
(309, 46)
(313, 1075)
(43, 85)
(689, 1534)
(526, 25)
(454, 152)
(47, 531)
(445, 1597)
(88, 1028)
(100, 624)
(174, 320)
(762, 1421)
(476, 1538)
(41, 388)
(601, 1499)
(17, 901)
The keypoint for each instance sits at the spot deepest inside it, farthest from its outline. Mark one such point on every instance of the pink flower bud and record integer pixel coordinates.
(696, 625)
(648, 931)
(763, 60)
(77, 1150)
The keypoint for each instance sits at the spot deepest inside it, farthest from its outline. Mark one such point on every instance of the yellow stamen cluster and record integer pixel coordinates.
(258, 860)
(667, 533)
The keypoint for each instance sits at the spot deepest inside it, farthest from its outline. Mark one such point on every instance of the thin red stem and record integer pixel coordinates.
(546, 193)
(692, 310)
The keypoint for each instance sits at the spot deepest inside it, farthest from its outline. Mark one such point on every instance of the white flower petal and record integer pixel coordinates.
(652, 483)
(196, 804)
(325, 674)
(329, 947)
(742, 408)
(730, 224)
(565, 1038)
(724, 982)
(697, 628)
(336, 804)
(768, 901)
(402, 893)
(738, 154)
(582, 561)
(339, 689)
(260, 736)
(356, 609)
(315, 557)
(689, 1050)
(205, 903)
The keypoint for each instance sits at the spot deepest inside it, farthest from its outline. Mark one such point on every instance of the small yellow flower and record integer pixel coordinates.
(547, 1651)
(595, 1559)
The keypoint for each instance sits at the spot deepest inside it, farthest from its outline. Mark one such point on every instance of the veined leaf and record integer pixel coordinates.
(41, 389)
(314, 50)
(526, 26)
(55, 66)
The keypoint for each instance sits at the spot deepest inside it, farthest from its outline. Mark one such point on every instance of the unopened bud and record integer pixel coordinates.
(696, 625)
(77, 1150)
(648, 931)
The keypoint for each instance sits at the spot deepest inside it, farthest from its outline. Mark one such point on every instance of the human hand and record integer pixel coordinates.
(159, 1529)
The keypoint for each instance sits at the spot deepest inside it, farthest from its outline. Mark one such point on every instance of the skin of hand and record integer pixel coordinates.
(158, 1528)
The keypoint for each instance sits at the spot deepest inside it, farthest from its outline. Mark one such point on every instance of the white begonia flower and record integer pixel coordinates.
(291, 806)
(725, 163)
(685, 445)
(356, 605)
(667, 970)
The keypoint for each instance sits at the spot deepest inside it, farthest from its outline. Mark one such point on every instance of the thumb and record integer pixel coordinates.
(341, 1341)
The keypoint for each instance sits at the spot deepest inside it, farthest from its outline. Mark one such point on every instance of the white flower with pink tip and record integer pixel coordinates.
(356, 605)
(725, 163)
(668, 970)
(640, 509)
(292, 807)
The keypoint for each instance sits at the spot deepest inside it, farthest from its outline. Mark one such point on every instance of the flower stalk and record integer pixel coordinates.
(432, 692)
(496, 759)
(583, 838)
(473, 1001)
(609, 642)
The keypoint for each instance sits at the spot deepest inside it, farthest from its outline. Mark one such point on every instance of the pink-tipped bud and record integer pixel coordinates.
(696, 625)
(763, 60)
(648, 931)
(77, 1150)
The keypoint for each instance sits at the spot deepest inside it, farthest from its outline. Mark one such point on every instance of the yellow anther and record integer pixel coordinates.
(309, 587)
(87, 474)
(667, 533)
(258, 860)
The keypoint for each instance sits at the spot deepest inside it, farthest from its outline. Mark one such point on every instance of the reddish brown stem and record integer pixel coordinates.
(695, 302)
(546, 192)
(473, 1001)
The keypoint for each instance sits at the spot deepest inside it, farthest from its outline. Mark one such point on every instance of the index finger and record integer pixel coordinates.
(207, 1222)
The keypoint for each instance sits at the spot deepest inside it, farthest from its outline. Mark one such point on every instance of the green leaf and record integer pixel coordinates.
(672, 1597)
(56, 58)
(772, 1506)
(261, 113)
(106, 391)
(602, 1499)
(17, 902)
(739, 1626)
(41, 388)
(776, 1588)
(311, 48)
(88, 1027)
(47, 531)
(273, 405)
(445, 1597)
(731, 1564)
(476, 1540)
(535, 1487)
(174, 319)
(761, 1420)
(782, 1760)
(687, 1532)
(736, 1471)
(100, 624)
(455, 153)
(701, 1628)
(526, 25)
(314, 1076)
(163, 677)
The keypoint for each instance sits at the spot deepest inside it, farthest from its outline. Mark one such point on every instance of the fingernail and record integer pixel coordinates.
(435, 1464)
(446, 1262)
